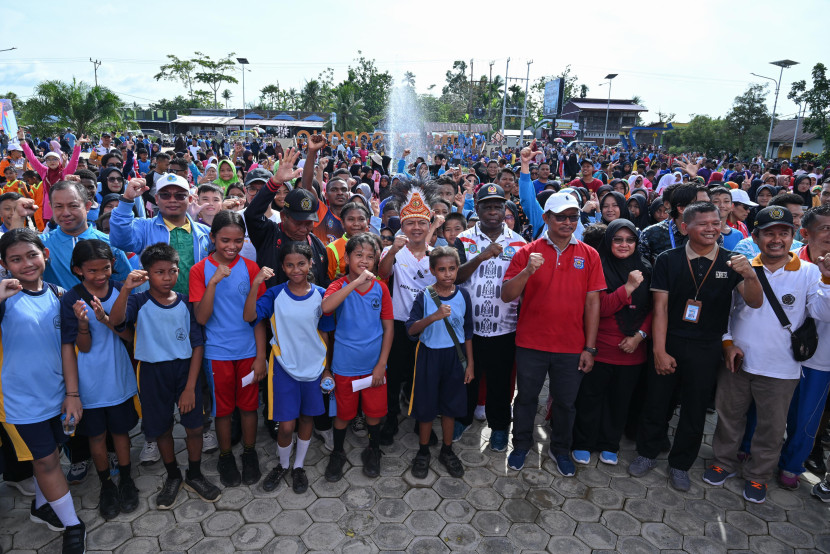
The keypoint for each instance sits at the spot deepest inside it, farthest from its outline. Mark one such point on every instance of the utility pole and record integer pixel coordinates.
(97, 64)
(504, 97)
(470, 103)
(489, 95)
(795, 135)
(524, 107)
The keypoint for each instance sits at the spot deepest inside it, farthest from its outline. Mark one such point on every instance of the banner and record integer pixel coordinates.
(554, 91)
(8, 122)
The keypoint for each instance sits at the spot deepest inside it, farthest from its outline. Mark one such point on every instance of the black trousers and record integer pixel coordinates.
(694, 379)
(400, 367)
(493, 357)
(602, 406)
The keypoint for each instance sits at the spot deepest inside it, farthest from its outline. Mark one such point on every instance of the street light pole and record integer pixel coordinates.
(524, 107)
(610, 76)
(243, 62)
(783, 64)
(504, 97)
(795, 135)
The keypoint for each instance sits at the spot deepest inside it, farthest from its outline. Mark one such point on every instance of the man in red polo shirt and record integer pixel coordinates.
(586, 178)
(560, 278)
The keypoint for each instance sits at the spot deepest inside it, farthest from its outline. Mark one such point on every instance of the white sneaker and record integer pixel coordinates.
(327, 437)
(26, 486)
(149, 453)
(480, 413)
(209, 442)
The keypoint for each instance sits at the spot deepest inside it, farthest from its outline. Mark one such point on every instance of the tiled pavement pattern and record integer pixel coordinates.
(492, 509)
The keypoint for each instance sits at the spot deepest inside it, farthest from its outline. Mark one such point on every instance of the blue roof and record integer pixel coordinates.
(313, 117)
(253, 115)
(284, 117)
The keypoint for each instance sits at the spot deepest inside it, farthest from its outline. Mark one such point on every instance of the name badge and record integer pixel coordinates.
(692, 311)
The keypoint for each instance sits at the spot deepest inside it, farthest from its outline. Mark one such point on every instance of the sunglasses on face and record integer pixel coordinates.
(115, 179)
(562, 218)
(180, 196)
(624, 240)
(387, 239)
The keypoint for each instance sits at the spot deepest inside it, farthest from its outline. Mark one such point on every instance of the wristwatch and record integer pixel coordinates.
(592, 351)
(123, 198)
(643, 334)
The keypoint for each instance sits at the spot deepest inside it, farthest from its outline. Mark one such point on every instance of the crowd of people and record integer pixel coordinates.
(197, 288)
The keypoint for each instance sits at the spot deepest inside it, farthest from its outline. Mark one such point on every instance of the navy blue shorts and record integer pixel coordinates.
(33, 441)
(118, 419)
(289, 398)
(438, 386)
(159, 387)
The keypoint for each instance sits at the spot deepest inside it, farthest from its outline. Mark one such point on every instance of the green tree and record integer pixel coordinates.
(702, 134)
(181, 103)
(311, 97)
(372, 85)
(80, 106)
(350, 108)
(178, 70)
(214, 72)
(226, 95)
(271, 93)
(749, 119)
(456, 91)
(817, 100)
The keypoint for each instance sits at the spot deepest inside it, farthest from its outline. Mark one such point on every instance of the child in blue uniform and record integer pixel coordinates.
(169, 346)
(105, 372)
(34, 391)
(439, 381)
(298, 357)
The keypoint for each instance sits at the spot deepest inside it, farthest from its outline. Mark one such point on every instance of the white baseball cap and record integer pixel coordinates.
(739, 196)
(559, 202)
(172, 180)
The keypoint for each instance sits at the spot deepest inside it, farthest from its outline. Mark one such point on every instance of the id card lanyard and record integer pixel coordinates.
(693, 307)
(671, 234)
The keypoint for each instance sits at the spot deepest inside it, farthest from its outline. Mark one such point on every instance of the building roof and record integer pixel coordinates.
(784, 129)
(202, 120)
(436, 127)
(615, 105)
(278, 123)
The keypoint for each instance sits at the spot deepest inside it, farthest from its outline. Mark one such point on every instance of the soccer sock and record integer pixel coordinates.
(248, 448)
(284, 453)
(194, 469)
(302, 448)
(65, 510)
(124, 472)
(104, 476)
(339, 438)
(446, 448)
(40, 500)
(173, 471)
(374, 436)
(424, 449)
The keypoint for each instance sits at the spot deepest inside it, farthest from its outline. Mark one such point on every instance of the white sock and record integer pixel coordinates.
(65, 510)
(40, 500)
(284, 453)
(302, 448)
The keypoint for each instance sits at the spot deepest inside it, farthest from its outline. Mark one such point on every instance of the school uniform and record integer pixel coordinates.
(165, 337)
(438, 383)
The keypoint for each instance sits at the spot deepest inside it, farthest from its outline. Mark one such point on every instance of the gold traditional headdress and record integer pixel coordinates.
(415, 207)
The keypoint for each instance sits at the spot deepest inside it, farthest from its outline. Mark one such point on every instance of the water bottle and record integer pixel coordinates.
(68, 425)
(327, 384)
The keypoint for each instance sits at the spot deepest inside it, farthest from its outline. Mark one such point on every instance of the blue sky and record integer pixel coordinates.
(678, 57)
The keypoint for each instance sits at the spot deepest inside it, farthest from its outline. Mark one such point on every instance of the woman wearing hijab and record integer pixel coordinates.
(657, 211)
(625, 322)
(667, 180)
(612, 207)
(638, 211)
(802, 187)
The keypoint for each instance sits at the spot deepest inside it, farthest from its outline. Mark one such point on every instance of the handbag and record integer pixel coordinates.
(458, 350)
(804, 340)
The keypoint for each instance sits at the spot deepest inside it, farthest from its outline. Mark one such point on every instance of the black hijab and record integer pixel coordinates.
(806, 196)
(655, 205)
(616, 271)
(621, 202)
(641, 221)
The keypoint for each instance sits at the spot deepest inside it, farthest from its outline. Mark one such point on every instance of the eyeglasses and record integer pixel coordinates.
(180, 196)
(387, 239)
(562, 218)
(178, 171)
(624, 240)
(115, 179)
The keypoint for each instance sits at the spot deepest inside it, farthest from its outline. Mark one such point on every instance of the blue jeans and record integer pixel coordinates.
(803, 419)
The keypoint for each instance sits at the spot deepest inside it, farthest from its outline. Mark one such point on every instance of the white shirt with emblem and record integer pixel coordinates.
(491, 316)
(799, 288)
(409, 277)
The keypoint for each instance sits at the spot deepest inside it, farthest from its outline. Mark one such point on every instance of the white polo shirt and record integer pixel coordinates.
(409, 277)
(491, 316)
(757, 332)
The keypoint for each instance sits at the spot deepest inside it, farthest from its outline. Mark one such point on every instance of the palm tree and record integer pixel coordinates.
(311, 97)
(293, 98)
(77, 105)
(351, 111)
(496, 87)
(226, 94)
(408, 79)
(272, 94)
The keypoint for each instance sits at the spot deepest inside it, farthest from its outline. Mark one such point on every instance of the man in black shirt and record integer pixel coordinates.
(692, 287)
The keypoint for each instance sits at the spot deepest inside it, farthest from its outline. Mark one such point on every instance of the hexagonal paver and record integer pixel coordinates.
(728, 535)
(358, 523)
(323, 536)
(628, 487)
(621, 523)
(666, 498)
(581, 510)
(790, 534)
(479, 477)
(593, 477)
(234, 498)
(661, 536)
(570, 488)
(222, 524)
(327, 509)
(684, 522)
(536, 477)
(219, 545)
(252, 536)
(724, 498)
(635, 545)
(767, 511)
(695, 544)
(392, 510)
(359, 498)
(325, 489)
(544, 498)
(528, 536)
(109, 536)
(181, 537)
(428, 545)
(422, 499)
(291, 522)
(484, 499)
(705, 510)
(491, 524)
(510, 487)
(747, 522)
(285, 545)
(138, 545)
(391, 487)
(425, 522)
(568, 544)
(596, 535)
(261, 510)
(153, 523)
(606, 499)
(451, 487)
(460, 536)
(518, 510)
(456, 511)
(784, 498)
(555, 522)
(812, 522)
(289, 500)
(392, 536)
(427, 481)
(193, 510)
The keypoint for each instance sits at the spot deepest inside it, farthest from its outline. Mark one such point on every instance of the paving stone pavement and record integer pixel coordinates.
(492, 509)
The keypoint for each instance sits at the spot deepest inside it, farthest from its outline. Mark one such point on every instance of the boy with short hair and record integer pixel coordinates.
(169, 346)
(454, 224)
(440, 378)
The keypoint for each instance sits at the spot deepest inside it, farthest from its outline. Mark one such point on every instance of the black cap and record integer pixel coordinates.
(773, 215)
(487, 192)
(301, 204)
(106, 134)
(258, 174)
(587, 161)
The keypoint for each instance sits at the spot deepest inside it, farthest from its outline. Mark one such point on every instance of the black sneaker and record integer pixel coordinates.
(273, 428)
(169, 491)
(433, 438)
(206, 490)
(272, 480)
(229, 474)
(45, 514)
(108, 504)
(334, 469)
(371, 461)
(299, 480)
(815, 461)
(451, 462)
(127, 494)
(250, 467)
(389, 430)
(74, 539)
(420, 466)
